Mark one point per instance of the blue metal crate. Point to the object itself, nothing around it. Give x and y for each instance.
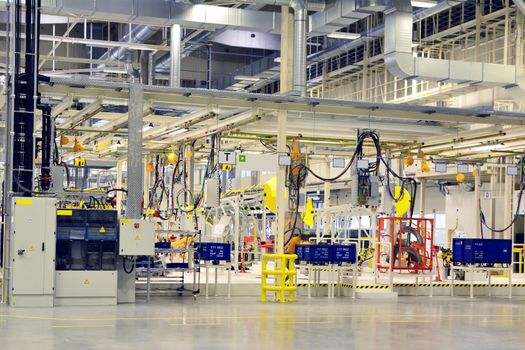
(163, 245)
(320, 253)
(344, 254)
(214, 251)
(300, 252)
(482, 251)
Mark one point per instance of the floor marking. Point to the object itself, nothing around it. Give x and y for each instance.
(502, 321)
(408, 321)
(306, 322)
(85, 326)
(195, 324)
(207, 317)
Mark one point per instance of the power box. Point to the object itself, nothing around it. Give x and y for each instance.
(482, 251)
(32, 273)
(137, 237)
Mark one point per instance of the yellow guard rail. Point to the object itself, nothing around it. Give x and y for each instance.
(282, 284)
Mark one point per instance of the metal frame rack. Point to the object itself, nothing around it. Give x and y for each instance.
(163, 268)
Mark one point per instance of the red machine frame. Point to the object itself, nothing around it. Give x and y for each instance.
(412, 242)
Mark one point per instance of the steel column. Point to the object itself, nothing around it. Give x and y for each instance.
(135, 175)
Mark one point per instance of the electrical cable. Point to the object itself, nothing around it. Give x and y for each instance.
(124, 265)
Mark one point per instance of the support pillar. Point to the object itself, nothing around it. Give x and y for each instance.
(286, 85)
(326, 200)
(477, 198)
(135, 185)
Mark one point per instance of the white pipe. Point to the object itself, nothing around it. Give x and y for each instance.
(175, 51)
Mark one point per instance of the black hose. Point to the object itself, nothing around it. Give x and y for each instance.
(124, 265)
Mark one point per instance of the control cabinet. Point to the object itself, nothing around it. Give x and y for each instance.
(137, 237)
(33, 252)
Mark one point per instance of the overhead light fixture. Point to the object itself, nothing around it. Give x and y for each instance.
(246, 77)
(277, 59)
(147, 127)
(423, 3)
(115, 70)
(488, 147)
(178, 131)
(466, 145)
(343, 35)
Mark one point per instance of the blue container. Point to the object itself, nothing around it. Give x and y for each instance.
(163, 245)
(299, 251)
(344, 254)
(482, 251)
(320, 253)
(214, 251)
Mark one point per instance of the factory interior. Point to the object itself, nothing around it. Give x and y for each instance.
(346, 174)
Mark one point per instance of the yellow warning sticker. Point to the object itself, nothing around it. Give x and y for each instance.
(31, 249)
(64, 212)
(227, 167)
(102, 229)
(24, 202)
(150, 211)
(125, 221)
(137, 238)
(86, 282)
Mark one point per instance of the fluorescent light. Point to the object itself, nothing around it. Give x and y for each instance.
(100, 123)
(115, 70)
(423, 3)
(343, 35)
(178, 131)
(147, 127)
(277, 59)
(466, 145)
(246, 77)
(488, 147)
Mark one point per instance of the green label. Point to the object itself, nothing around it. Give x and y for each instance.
(242, 158)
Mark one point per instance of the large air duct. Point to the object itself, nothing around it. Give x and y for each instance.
(138, 34)
(401, 62)
(299, 45)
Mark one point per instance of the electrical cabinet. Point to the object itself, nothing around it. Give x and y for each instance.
(137, 237)
(33, 252)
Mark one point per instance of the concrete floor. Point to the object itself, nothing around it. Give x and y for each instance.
(244, 323)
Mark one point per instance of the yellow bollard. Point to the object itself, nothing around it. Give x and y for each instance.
(282, 286)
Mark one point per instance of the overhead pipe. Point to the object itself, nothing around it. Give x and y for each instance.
(299, 45)
(175, 52)
(138, 34)
(344, 46)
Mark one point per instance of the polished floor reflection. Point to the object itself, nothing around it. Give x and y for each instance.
(245, 323)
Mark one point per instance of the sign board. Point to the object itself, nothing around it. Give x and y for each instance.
(257, 162)
(338, 163)
(227, 157)
(440, 167)
(487, 195)
(512, 170)
(463, 168)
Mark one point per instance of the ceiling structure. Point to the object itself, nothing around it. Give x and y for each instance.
(93, 50)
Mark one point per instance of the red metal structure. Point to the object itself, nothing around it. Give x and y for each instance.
(411, 249)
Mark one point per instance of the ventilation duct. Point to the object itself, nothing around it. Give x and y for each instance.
(401, 62)
(341, 14)
(138, 34)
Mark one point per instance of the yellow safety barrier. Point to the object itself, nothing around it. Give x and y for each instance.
(283, 284)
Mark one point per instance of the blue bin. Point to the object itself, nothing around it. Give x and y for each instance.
(344, 254)
(214, 251)
(320, 253)
(482, 251)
